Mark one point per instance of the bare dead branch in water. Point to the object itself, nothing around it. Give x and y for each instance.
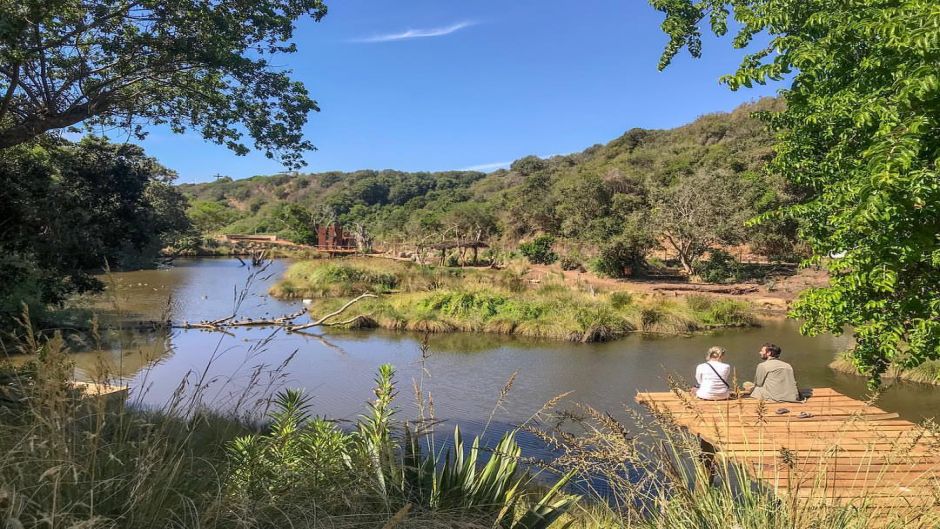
(286, 321)
(280, 321)
(333, 314)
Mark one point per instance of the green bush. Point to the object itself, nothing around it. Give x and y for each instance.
(571, 262)
(299, 459)
(625, 255)
(539, 250)
(721, 267)
(699, 302)
(619, 300)
(729, 312)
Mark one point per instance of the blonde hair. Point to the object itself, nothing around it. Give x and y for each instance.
(714, 353)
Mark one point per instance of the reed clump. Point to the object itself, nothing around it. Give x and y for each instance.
(435, 299)
(925, 373)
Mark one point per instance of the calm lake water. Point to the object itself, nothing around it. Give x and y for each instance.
(464, 373)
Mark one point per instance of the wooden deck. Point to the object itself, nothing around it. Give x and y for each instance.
(847, 452)
(95, 390)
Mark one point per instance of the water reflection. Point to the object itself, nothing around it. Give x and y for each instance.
(464, 372)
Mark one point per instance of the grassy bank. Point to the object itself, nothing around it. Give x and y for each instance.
(71, 462)
(435, 299)
(926, 373)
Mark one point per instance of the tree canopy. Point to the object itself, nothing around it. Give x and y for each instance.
(596, 203)
(70, 209)
(128, 63)
(861, 133)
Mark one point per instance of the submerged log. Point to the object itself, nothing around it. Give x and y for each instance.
(230, 321)
(286, 321)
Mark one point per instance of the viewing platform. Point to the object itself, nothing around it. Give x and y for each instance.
(841, 451)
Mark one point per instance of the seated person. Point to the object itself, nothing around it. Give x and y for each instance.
(774, 379)
(713, 376)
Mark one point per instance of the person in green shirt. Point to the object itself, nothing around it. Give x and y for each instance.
(774, 379)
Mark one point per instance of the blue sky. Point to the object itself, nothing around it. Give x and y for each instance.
(440, 84)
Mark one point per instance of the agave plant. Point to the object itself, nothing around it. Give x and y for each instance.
(304, 459)
(456, 484)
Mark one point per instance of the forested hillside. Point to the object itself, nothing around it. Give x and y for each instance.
(689, 189)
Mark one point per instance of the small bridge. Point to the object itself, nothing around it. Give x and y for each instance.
(830, 449)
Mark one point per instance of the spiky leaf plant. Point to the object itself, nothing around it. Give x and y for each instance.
(296, 453)
(456, 484)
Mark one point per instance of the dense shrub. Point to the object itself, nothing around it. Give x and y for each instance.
(539, 250)
(622, 257)
(721, 267)
(571, 262)
(729, 312)
(619, 300)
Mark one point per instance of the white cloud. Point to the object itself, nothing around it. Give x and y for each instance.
(487, 167)
(418, 33)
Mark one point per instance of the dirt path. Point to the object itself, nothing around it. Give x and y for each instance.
(772, 297)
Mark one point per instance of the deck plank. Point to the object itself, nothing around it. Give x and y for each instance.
(848, 452)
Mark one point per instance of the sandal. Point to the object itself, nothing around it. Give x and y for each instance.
(805, 415)
(782, 411)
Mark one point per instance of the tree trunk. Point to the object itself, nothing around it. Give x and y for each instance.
(686, 263)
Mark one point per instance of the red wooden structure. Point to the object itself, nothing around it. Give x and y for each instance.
(331, 238)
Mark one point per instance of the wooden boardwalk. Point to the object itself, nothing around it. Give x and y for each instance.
(847, 452)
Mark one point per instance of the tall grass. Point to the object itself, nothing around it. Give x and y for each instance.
(67, 461)
(433, 299)
(925, 373)
(70, 461)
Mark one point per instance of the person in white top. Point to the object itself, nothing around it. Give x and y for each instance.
(713, 377)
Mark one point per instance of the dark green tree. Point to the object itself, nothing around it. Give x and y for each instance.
(295, 223)
(129, 63)
(539, 250)
(73, 208)
(209, 216)
(625, 254)
(861, 132)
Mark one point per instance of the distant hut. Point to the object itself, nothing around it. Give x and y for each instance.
(331, 238)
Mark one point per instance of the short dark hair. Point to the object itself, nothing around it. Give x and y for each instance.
(772, 348)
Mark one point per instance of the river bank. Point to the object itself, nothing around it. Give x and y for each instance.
(509, 301)
(335, 363)
(926, 373)
(274, 461)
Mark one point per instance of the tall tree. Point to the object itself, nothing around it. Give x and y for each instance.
(699, 212)
(128, 63)
(861, 131)
(71, 208)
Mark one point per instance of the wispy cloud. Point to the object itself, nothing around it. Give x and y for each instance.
(486, 167)
(418, 33)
